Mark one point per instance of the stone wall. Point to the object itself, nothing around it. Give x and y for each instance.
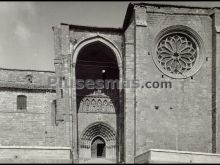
(35, 125)
(19, 77)
(32, 126)
(183, 117)
(24, 154)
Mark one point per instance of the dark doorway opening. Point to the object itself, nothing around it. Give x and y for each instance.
(98, 148)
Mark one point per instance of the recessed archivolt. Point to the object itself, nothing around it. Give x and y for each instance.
(98, 129)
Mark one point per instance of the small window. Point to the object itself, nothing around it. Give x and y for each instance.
(21, 102)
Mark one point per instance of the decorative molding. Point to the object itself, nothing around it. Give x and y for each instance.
(96, 102)
(98, 129)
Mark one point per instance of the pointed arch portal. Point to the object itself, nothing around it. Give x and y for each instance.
(97, 58)
(98, 141)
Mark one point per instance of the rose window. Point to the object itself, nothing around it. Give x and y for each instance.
(177, 53)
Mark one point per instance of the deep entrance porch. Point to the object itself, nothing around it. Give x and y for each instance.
(98, 61)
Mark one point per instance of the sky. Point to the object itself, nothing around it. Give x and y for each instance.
(26, 36)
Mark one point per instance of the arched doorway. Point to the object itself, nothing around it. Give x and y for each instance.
(98, 148)
(98, 141)
(98, 59)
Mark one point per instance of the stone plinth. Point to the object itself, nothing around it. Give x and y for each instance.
(172, 156)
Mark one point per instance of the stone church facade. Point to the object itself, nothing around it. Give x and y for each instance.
(44, 117)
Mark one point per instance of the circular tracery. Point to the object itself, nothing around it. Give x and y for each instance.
(178, 52)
